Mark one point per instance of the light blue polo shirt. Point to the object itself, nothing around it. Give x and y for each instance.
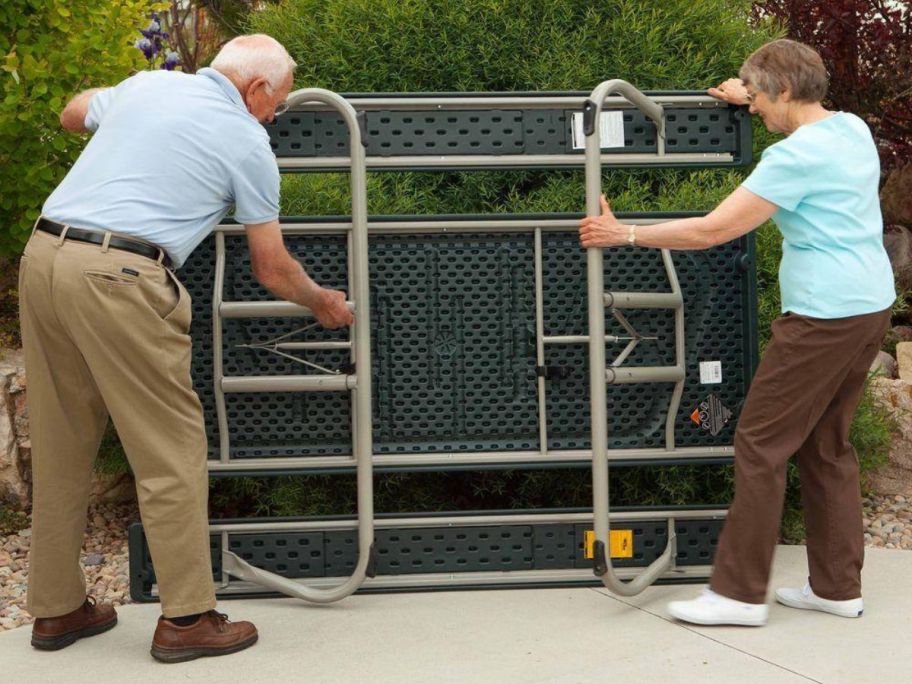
(824, 178)
(171, 154)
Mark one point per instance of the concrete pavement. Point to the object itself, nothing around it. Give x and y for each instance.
(535, 635)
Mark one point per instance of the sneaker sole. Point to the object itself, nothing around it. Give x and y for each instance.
(803, 605)
(55, 643)
(182, 655)
(710, 623)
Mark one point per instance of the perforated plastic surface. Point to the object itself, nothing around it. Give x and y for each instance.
(514, 131)
(453, 345)
(437, 549)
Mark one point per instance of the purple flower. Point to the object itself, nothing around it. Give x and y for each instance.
(154, 41)
(172, 59)
(145, 45)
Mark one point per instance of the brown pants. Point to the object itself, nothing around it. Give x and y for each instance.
(802, 400)
(102, 340)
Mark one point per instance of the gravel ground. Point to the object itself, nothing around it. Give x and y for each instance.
(104, 558)
(887, 521)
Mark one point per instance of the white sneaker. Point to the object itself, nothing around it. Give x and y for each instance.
(714, 609)
(806, 599)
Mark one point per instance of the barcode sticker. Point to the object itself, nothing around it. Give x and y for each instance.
(710, 372)
(611, 130)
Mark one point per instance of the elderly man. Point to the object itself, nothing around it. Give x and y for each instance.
(105, 323)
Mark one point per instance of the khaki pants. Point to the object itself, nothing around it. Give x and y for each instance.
(802, 400)
(102, 340)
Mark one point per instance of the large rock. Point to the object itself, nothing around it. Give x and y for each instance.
(904, 360)
(897, 334)
(896, 196)
(898, 243)
(16, 447)
(884, 364)
(895, 477)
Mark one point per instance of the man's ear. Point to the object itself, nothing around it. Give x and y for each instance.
(259, 84)
(786, 95)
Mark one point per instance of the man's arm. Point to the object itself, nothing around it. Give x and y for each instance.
(281, 274)
(73, 116)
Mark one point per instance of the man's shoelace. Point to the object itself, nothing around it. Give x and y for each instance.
(220, 619)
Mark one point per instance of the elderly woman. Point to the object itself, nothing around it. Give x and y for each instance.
(819, 185)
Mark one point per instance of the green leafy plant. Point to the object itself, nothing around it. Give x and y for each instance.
(12, 521)
(111, 458)
(49, 51)
(9, 303)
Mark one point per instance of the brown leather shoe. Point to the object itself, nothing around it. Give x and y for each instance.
(51, 634)
(212, 635)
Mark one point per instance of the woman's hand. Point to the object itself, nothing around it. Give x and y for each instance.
(731, 91)
(604, 230)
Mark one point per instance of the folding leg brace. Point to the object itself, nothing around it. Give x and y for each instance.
(599, 374)
(358, 382)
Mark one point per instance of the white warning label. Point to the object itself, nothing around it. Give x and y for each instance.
(710, 372)
(611, 130)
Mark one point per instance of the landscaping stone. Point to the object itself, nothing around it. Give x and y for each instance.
(16, 446)
(895, 476)
(107, 571)
(904, 360)
(884, 364)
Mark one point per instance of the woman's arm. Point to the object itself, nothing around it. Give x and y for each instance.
(732, 91)
(739, 213)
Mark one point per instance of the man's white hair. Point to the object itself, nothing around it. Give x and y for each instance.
(255, 56)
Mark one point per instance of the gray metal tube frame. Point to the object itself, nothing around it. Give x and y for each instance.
(362, 439)
(277, 309)
(483, 459)
(679, 350)
(447, 161)
(643, 300)
(290, 383)
(453, 225)
(597, 368)
(450, 579)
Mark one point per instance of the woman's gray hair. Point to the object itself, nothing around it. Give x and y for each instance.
(786, 65)
(255, 56)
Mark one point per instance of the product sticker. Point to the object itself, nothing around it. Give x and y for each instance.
(711, 415)
(611, 130)
(710, 372)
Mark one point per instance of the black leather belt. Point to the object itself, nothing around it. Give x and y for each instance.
(97, 238)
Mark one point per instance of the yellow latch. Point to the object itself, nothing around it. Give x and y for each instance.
(620, 544)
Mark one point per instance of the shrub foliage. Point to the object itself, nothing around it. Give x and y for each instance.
(49, 51)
